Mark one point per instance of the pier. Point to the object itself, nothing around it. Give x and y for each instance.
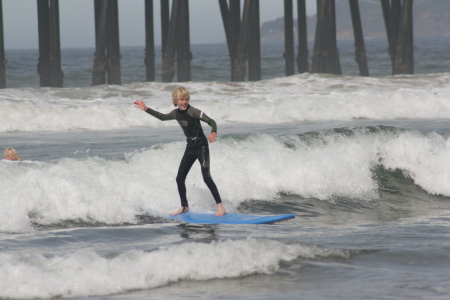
(241, 25)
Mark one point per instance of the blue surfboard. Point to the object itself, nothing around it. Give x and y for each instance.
(229, 218)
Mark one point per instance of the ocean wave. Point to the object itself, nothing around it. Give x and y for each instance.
(87, 273)
(307, 97)
(325, 165)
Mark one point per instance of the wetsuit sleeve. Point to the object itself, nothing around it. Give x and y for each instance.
(213, 125)
(209, 121)
(160, 116)
(195, 113)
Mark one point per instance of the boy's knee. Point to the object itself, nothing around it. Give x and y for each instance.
(180, 179)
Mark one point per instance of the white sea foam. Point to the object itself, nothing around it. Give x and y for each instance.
(283, 100)
(425, 159)
(253, 167)
(25, 275)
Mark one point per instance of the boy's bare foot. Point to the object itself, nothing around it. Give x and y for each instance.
(180, 211)
(221, 210)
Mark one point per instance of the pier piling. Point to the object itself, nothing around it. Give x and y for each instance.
(177, 42)
(249, 43)
(360, 49)
(289, 38)
(396, 7)
(302, 55)
(49, 65)
(149, 59)
(399, 30)
(99, 65)
(240, 62)
(231, 18)
(165, 22)
(106, 66)
(168, 63)
(113, 46)
(235, 29)
(254, 51)
(184, 55)
(404, 57)
(325, 57)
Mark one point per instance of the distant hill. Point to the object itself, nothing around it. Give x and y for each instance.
(430, 18)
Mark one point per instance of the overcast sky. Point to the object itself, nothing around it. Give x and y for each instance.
(77, 21)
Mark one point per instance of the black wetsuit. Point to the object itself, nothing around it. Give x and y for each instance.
(196, 148)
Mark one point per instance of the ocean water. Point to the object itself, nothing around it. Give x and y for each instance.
(363, 163)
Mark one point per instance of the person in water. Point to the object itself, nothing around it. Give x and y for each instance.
(197, 144)
(11, 154)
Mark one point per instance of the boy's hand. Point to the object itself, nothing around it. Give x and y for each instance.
(212, 137)
(140, 104)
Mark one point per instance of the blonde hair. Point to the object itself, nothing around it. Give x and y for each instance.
(13, 152)
(178, 93)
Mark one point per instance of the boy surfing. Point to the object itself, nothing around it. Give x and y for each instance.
(197, 144)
